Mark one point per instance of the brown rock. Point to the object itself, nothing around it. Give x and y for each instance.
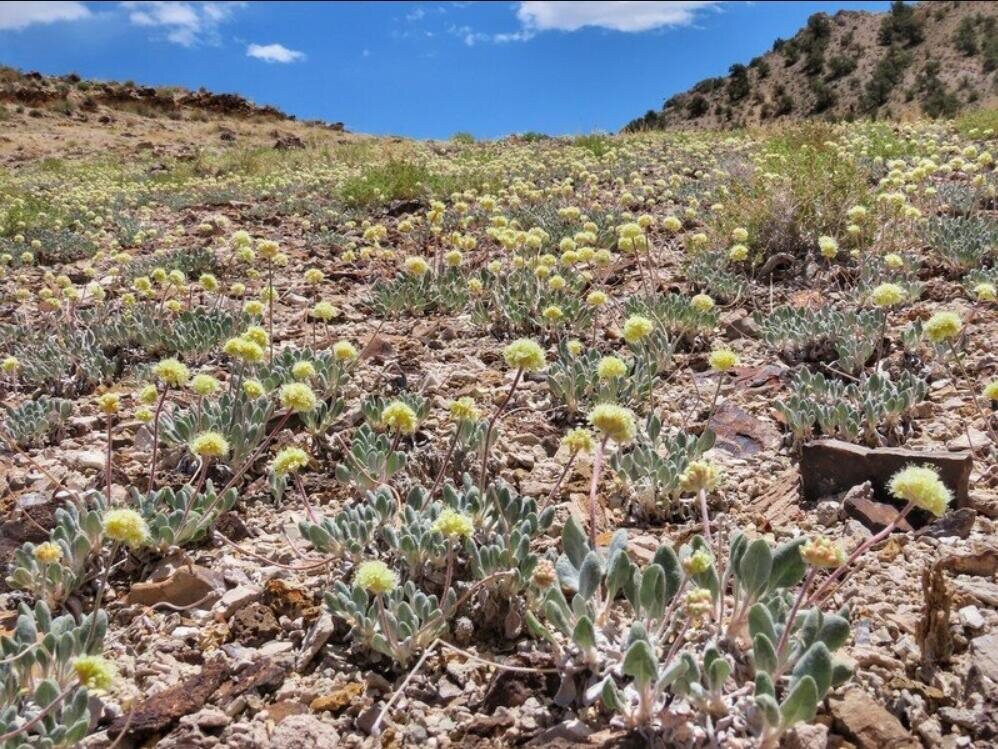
(869, 725)
(983, 563)
(957, 523)
(339, 700)
(264, 675)
(739, 433)
(163, 709)
(254, 625)
(985, 651)
(185, 587)
(874, 515)
(831, 466)
(285, 709)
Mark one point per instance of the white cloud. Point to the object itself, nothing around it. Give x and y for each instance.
(19, 15)
(618, 16)
(415, 14)
(184, 23)
(274, 53)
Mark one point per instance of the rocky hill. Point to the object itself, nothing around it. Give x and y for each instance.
(66, 117)
(930, 58)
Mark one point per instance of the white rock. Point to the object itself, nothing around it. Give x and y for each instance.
(970, 616)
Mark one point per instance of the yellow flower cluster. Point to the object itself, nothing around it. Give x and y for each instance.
(700, 474)
(636, 328)
(289, 460)
(578, 440)
(297, 397)
(94, 672)
(821, 551)
(171, 372)
(697, 563)
(210, 445)
(399, 418)
(453, 524)
(614, 421)
(524, 354)
(375, 577)
(888, 295)
(464, 409)
(943, 326)
(611, 368)
(125, 526)
(921, 486)
(723, 359)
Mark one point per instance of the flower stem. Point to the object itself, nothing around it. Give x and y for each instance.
(491, 426)
(597, 466)
(155, 439)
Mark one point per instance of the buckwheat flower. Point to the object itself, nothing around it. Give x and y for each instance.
(125, 526)
(723, 359)
(544, 575)
(828, 247)
(416, 266)
(208, 282)
(552, 313)
(597, 299)
(856, 213)
(574, 347)
(475, 286)
(524, 354)
(699, 475)
(614, 421)
(739, 235)
(254, 308)
(289, 460)
(48, 553)
(313, 276)
(610, 368)
(303, 370)
(267, 248)
(672, 224)
(893, 261)
(991, 390)
(738, 253)
(174, 306)
(698, 603)
(556, 283)
(921, 486)
(453, 258)
(494, 267)
(209, 445)
(94, 672)
(109, 403)
(579, 440)
(375, 577)
(237, 289)
(888, 295)
(171, 372)
(344, 351)
(636, 328)
(702, 303)
(985, 292)
(821, 551)
(399, 418)
(177, 277)
(205, 385)
(697, 563)
(297, 397)
(10, 364)
(453, 524)
(942, 326)
(324, 311)
(464, 410)
(144, 415)
(257, 335)
(253, 388)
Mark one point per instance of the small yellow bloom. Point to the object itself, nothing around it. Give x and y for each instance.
(171, 372)
(125, 526)
(416, 266)
(297, 397)
(699, 603)
(210, 445)
(985, 292)
(205, 385)
(324, 311)
(524, 354)
(921, 486)
(611, 368)
(702, 303)
(453, 524)
(699, 475)
(597, 299)
(697, 563)
(614, 421)
(303, 370)
(579, 440)
(888, 295)
(344, 351)
(991, 390)
(48, 553)
(94, 672)
(738, 253)
(109, 403)
(399, 417)
(375, 577)
(822, 552)
(289, 460)
(723, 359)
(942, 326)
(253, 388)
(10, 365)
(828, 247)
(636, 328)
(464, 409)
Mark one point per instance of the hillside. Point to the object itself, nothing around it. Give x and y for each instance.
(68, 117)
(932, 59)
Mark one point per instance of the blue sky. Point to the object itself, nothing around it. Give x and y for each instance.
(418, 69)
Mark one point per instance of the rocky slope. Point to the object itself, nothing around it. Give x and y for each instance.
(929, 59)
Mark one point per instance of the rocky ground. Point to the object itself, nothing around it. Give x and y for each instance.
(228, 643)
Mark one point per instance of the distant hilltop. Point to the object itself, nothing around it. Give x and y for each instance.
(926, 59)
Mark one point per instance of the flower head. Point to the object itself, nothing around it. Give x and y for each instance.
(611, 368)
(738, 253)
(700, 475)
(94, 671)
(210, 445)
(985, 292)
(171, 372)
(888, 295)
(697, 563)
(702, 303)
(524, 354)
(698, 603)
(344, 351)
(544, 575)
(289, 460)
(375, 577)
(597, 298)
(9, 365)
(303, 370)
(579, 440)
(636, 328)
(464, 409)
(991, 390)
(453, 524)
(253, 388)
(614, 421)
(399, 418)
(821, 551)
(416, 266)
(942, 326)
(256, 334)
(109, 403)
(126, 526)
(48, 553)
(921, 486)
(828, 247)
(324, 311)
(297, 397)
(723, 359)
(205, 384)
